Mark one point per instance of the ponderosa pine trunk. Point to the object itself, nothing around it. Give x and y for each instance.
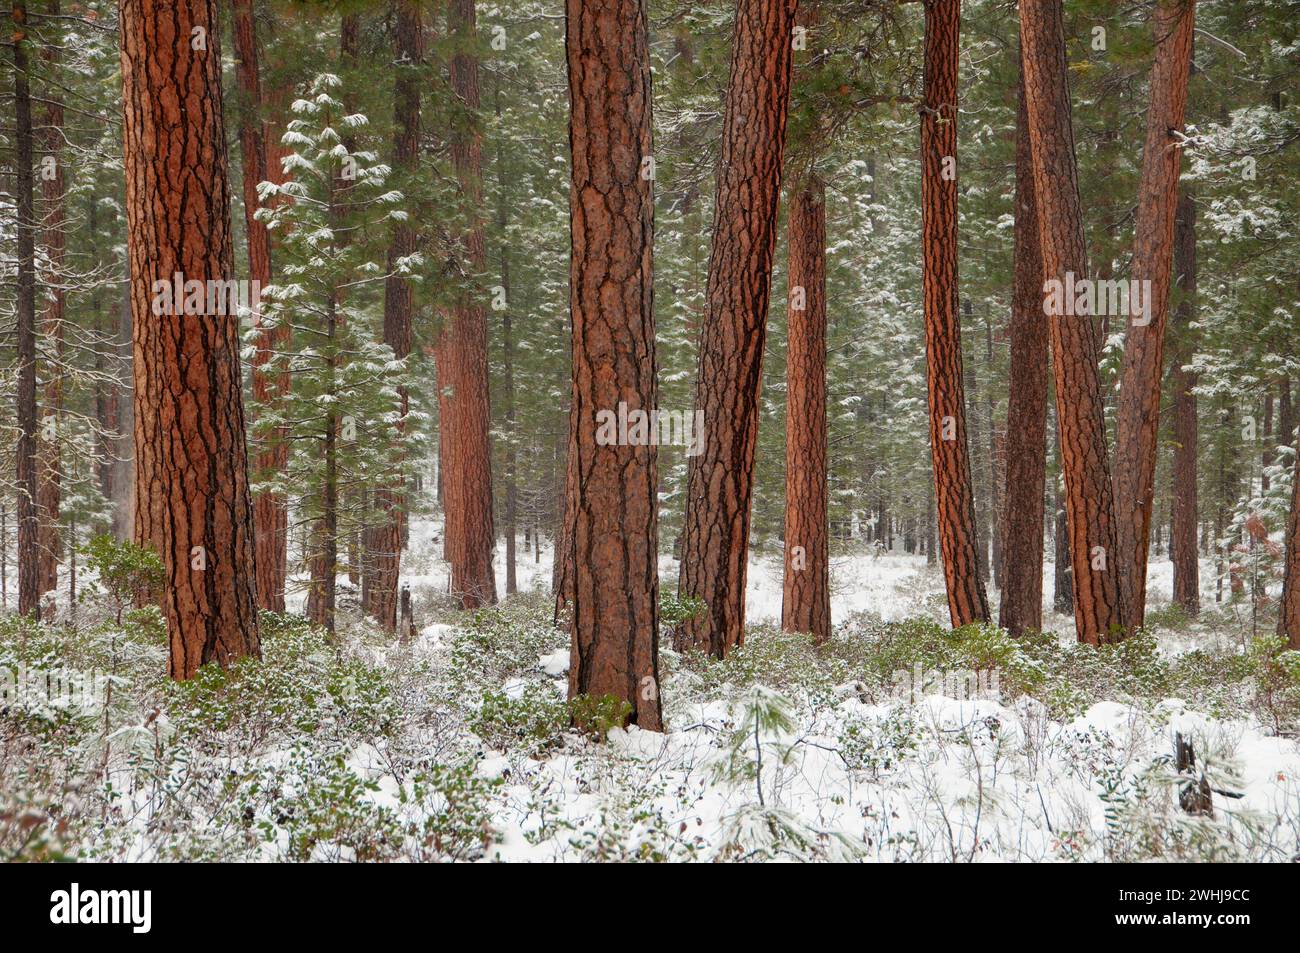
(613, 528)
(1137, 423)
(467, 486)
(806, 597)
(192, 499)
(270, 511)
(1184, 517)
(1021, 611)
(715, 535)
(1288, 623)
(953, 491)
(1089, 504)
(54, 219)
(29, 593)
(399, 299)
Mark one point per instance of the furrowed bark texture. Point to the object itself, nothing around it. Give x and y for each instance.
(1137, 422)
(1021, 611)
(954, 495)
(613, 527)
(399, 300)
(467, 486)
(1288, 625)
(715, 538)
(1089, 504)
(192, 498)
(270, 513)
(806, 599)
(1182, 533)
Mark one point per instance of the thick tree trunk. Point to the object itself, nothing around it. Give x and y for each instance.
(468, 459)
(54, 238)
(270, 512)
(1182, 532)
(613, 527)
(1089, 503)
(1138, 418)
(29, 593)
(806, 600)
(954, 495)
(399, 301)
(1288, 624)
(1021, 611)
(715, 537)
(192, 498)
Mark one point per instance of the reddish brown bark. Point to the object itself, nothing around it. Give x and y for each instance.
(54, 238)
(715, 537)
(1089, 503)
(806, 598)
(1183, 518)
(1138, 415)
(613, 529)
(1288, 623)
(954, 496)
(270, 512)
(192, 498)
(399, 301)
(1021, 611)
(467, 481)
(29, 593)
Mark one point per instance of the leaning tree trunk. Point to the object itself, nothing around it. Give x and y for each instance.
(1021, 611)
(1137, 423)
(270, 511)
(467, 486)
(53, 226)
(29, 593)
(191, 488)
(1182, 533)
(1089, 503)
(806, 599)
(613, 527)
(953, 492)
(715, 536)
(399, 301)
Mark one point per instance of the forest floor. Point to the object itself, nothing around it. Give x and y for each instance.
(899, 740)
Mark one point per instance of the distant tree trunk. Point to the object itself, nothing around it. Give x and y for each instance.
(467, 483)
(192, 497)
(54, 225)
(1089, 503)
(270, 512)
(29, 593)
(806, 599)
(996, 464)
(1021, 611)
(1137, 424)
(508, 373)
(613, 527)
(399, 300)
(954, 495)
(715, 536)
(1182, 532)
(1285, 412)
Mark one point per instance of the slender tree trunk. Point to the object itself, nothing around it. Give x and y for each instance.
(954, 495)
(270, 512)
(508, 371)
(806, 600)
(613, 527)
(1021, 610)
(54, 234)
(1285, 412)
(1138, 418)
(29, 593)
(1089, 503)
(715, 538)
(1182, 532)
(192, 498)
(468, 459)
(399, 302)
